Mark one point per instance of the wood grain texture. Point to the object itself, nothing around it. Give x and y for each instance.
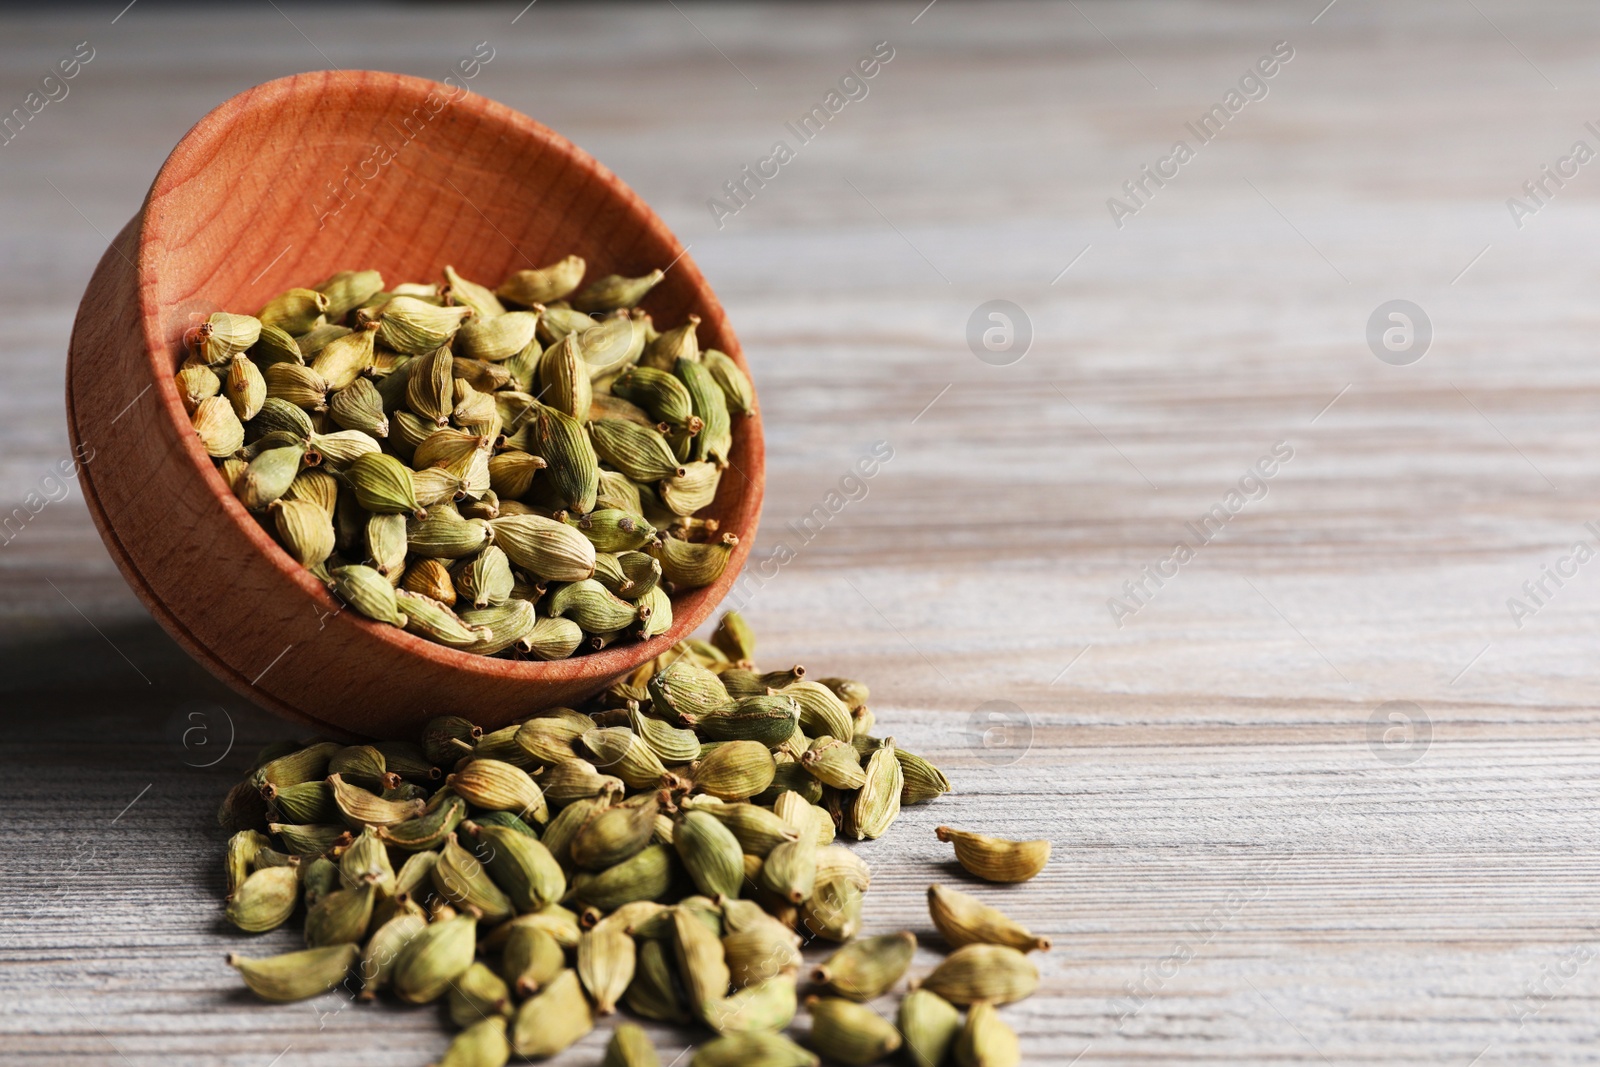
(1239, 878)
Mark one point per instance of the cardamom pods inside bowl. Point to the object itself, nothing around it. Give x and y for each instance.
(402, 404)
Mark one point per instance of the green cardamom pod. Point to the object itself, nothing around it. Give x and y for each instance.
(296, 975)
(544, 285)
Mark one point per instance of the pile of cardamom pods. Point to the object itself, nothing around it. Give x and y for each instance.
(520, 482)
(667, 849)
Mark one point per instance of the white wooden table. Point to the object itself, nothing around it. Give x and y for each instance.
(1254, 862)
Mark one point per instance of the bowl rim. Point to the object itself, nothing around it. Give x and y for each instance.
(188, 156)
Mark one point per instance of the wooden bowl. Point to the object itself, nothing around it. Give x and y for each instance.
(282, 186)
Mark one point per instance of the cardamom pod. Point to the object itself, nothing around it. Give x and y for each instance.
(296, 975)
(996, 859)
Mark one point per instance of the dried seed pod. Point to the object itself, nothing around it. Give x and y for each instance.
(735, 638)
(614, 291)
(461, 879)
(348, 290)
(550, 549)
(310, 839)
(734, 770)
(564, 378)
(710, 853)
(294, 384)
(369, 593)
(833, 911)
(822, 714)
(764, 1006)
(382, 484)
(304, 530)
(848, 1033)
(613, 834)
(411, 325)
(750, 1049)
(246, 388)
(483, 1044)
(544, 285)
(553, 639)
(383, 948)
(315, 486)
(357, 406)
(965, 920)
(614, 530)
(973, 973)
(877, 804)
(656, 991)
(630, 1047)
(757, 829)
(342, 360)
(672, 745)
(217, 426)
(511, 623)
(834, 763)
(675, 344)
(605, 963)
(867, 969)
(660, 393)
(553, 1019)
(684, 689)
(500, 786)
(477, 994)
(430, 387)
(531, 957)
(576, 779)
(574, 471)
(362, 808)
(366, 862)
(428, 831)
(986, 1041)
(434, 958)
(996, 859)
(340, 917)
(734, 383)
(923, 781)
(637, 451)
(276, 345)
(265, 899)
(692, 564)
(644, 876)
(197, 382)
(701, 962)
(929, 1024)
(498, 338)
(511, 473)
(591, 606)
(654, 609)
(790, 870)
(296, 975)
(761, 951)
(295, 311)
(443, 534)
(715, 438)
(623, 752)
(429, 578)
(616, 490)
(431, 619)
(479, 298)
(558, 319)
(520, 865)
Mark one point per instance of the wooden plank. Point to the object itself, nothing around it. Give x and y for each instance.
(1240, 874)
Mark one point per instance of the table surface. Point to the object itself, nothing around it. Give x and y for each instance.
(1320, 785)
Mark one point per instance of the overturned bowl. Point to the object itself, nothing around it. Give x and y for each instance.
(282, 186)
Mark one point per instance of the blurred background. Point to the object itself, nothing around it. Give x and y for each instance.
(1226, 485)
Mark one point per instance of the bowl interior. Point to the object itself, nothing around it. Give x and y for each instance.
(303, 177)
